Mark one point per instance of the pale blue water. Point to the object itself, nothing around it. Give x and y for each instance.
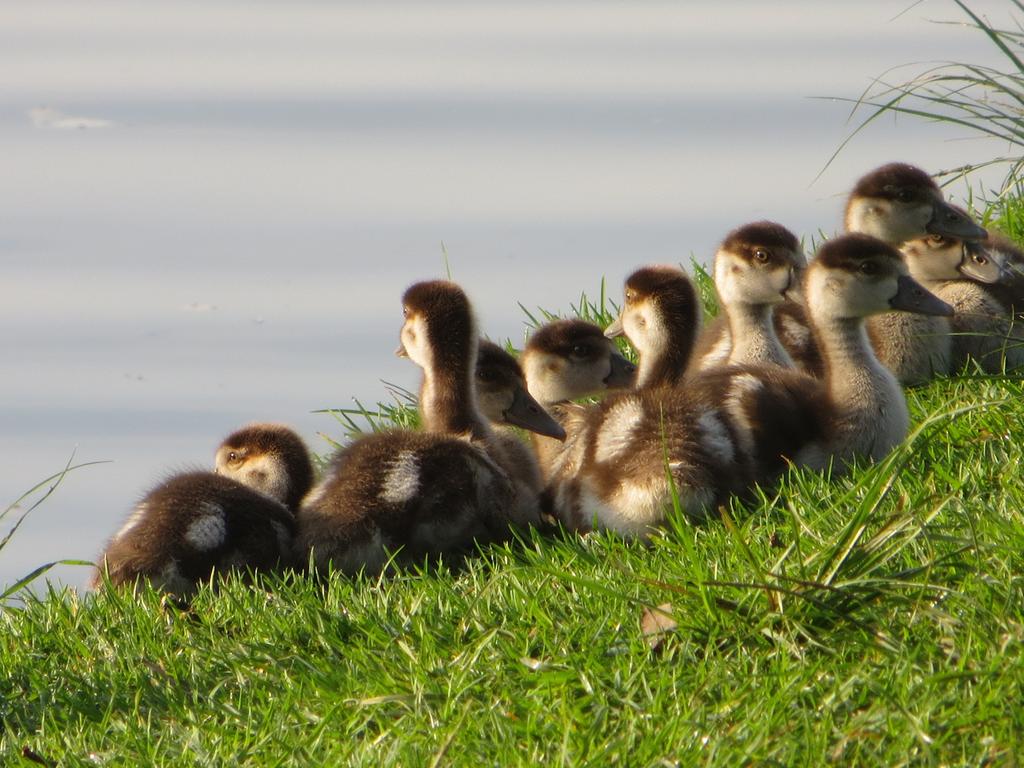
(234, 245)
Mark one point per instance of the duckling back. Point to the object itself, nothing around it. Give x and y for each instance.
(413, 495)
(193, 526)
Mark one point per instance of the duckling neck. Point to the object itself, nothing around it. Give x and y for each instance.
(754, 340)
(448, 405)
(870, 409)
(664, 367)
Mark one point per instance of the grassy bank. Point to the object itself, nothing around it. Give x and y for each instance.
(877, 619)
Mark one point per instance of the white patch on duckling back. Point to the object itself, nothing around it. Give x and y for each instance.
(209, 529)
(133, 520)
(402, 479)
(742, 386)
(715, 437)
(615, 436)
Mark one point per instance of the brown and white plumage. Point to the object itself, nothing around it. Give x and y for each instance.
(917, 347)
(566, 360)
(417, 495)
(195, 525)
(630, 457)
(859, 404)
(754, 268)
(660, 316)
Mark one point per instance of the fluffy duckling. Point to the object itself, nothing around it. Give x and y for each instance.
(198, 524)
(628, 457)
(755, 268)
(505, 401)
(660, 316)
(417, 495)
(916, 347)
(987, 326)
(899, 202)
(859, 405)
(894, 203)
(565, 360)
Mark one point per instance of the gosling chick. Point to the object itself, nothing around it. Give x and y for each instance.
(417, 496)
(197, 525)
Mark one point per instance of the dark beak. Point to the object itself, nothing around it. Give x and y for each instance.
(623, 373)
(526, 412)
(912, 297)
(951, 222)
(979, 265)
(615, 329)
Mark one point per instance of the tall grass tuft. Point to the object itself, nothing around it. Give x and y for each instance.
(986, 100)
(7, 592)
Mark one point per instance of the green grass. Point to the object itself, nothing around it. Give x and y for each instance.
(982, 100)
(877, 619)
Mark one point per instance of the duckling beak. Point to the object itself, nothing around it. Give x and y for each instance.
(400, 352)
(949, 222)
(527, 413)
(615, 329)
(911, 296)
(622, 374)
(979, 265)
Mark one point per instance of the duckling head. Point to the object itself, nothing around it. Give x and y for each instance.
(502, 395)
(936, 258)
(900, 202)
(855, 276)
(660, 311)
(439, 330)
(568, 359)
(269, 458)
(757, 264)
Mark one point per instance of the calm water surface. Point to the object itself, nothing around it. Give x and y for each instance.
(229, 240)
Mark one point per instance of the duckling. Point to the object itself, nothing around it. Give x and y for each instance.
(859, 406)
(197, 524)
(987, 326)
(894, 203)
(755, 268)
(899, 202)
(417, 495)
(660, 316)
(629, 456)
(565, 360)
(1008, 256)
(505, 401)
(916, 347)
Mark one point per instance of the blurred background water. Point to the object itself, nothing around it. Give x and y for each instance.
(209, 210)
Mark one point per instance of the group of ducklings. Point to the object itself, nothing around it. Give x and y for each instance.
(803, 366)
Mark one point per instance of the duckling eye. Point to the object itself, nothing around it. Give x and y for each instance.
(868, 268)
(938, 239)
(232, 456)
(978, 259)
(904, 195)
(580, 351)
(762, 255)
(630, 295)
(485, 375)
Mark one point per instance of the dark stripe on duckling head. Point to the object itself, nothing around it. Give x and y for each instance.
(781, 244)
(569, 337)
(897, 181)
(448, 317)
(281, 441)
(851, 252)
(673, 296)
